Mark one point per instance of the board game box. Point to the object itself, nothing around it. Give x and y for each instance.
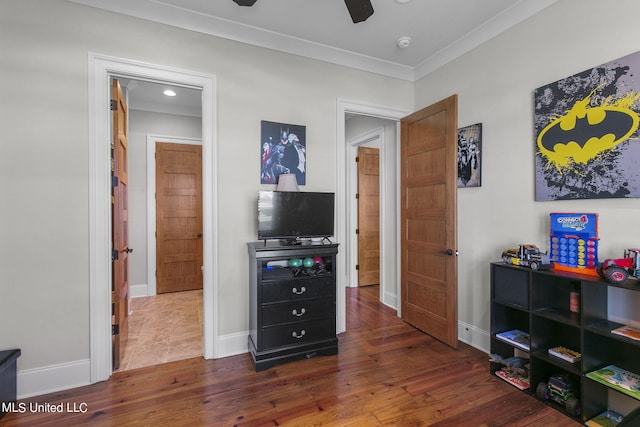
(573, 241)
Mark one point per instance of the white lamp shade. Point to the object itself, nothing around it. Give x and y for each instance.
(287, 182)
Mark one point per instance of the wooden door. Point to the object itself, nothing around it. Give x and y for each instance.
(178, 217)
(368, 216)
(428, 220)
(120, 223)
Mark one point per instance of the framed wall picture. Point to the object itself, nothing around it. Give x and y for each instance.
(283, 149)
(586, 129)
(469, 155)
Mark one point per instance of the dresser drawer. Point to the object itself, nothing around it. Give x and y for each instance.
(297, 289)
(298, 333)
(297, 311)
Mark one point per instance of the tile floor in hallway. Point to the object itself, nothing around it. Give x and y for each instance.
(163, 328)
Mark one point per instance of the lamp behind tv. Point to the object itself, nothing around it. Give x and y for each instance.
(292, 216)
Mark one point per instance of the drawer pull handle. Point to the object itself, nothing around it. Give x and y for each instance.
(299, 292)
(298, 335)
(296, 313)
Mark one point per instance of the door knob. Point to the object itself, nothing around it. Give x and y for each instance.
(128, 250)
(447, 252)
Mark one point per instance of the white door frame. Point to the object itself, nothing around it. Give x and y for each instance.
(386, 244)
(101, 69)
(152, 139)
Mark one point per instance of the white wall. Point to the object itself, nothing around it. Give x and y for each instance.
(142, 123)
(44, 265)
(44, 164)
(495, 84)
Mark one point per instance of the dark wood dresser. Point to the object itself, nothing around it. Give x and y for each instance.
(292, 311)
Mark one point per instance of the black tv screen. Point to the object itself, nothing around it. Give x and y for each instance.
(292, 215)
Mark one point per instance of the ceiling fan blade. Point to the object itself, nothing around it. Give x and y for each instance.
(245, 2)
(359, 10)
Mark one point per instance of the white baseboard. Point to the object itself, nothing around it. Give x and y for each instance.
(138, 291)
(65, 376)
(53, 378)
(473, 336)
(390, 300)
(233, 344)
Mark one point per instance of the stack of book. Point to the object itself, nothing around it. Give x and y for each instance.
(606, 419)
(628, 331)
(618, 379)
(513, 378)
(565, 353)
(515, 337)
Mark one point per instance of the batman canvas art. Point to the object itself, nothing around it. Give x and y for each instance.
(586, 128)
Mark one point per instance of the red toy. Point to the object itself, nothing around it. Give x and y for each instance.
(619, 269)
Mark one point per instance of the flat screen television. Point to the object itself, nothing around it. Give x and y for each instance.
(291, 215)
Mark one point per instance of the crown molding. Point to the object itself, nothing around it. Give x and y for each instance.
(169, 14)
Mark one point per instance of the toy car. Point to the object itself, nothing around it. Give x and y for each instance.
(618, 270)
(561, 389)
(527, 256)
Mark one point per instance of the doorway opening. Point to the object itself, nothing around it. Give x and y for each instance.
(379, 133)
(364, 203)
(101, 70)
(165, 324)
(389, 200)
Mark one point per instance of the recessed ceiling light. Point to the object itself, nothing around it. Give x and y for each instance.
(169, 92)
(402, 1)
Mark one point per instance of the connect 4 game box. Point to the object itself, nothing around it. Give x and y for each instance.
(574, 242)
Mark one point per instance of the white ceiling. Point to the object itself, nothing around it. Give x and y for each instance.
(440, 30)
(149, 96)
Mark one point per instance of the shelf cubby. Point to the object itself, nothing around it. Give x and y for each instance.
(540, 302)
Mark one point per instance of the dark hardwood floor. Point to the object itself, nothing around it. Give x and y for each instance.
(386, 373)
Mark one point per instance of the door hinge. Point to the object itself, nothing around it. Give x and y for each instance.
(357, 266)
(113, 105)
(115, 329)
(114, 254)
(357, 195)
(357, 159)
(114, 181)
(357, 231)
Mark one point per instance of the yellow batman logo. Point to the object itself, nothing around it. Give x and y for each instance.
(583, 133)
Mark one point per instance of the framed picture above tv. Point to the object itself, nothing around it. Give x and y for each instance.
(283, 150)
